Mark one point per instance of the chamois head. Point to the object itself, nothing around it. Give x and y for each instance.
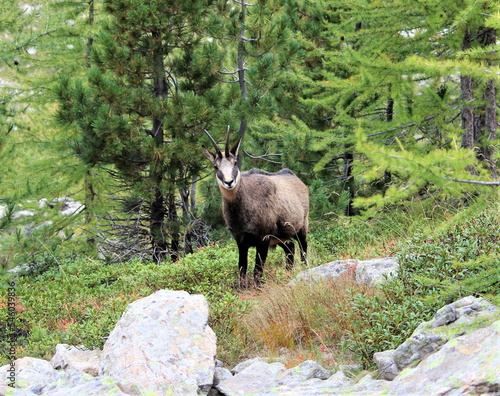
(225, 163)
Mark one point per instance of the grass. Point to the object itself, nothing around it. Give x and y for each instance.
(308, 318)
(445, 258)
(67, 298)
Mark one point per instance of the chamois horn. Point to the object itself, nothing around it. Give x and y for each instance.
(227, 141)
(214, 143)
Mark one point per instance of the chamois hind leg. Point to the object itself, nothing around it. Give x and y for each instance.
(289, 248)
(260, 259)
(302, 240)
(242, 265)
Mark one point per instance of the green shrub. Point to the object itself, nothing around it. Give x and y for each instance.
(455, 261)
(79, 301)
(436, 268)
(382, 321)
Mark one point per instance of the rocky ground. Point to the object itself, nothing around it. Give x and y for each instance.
(163, 345)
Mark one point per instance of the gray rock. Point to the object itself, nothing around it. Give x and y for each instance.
(78, 358)
(22, 213)
(37, 376)
(386, 365)
(243, 365)
(221, 374)
(99, 386)
(218, 363)
(350, 369)
(257, 378)
(368, 386)
(337, 384)
(339, 379)
(19, 269)
(31, 374)
(464, 311)
(453, 320)
(43, 203)
(303, 372)
(163, 343)
(465, 365)
(71, 208)
(416, 348)
(376, 271)
(332, 270)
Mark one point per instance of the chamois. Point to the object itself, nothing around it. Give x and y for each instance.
(261, 209)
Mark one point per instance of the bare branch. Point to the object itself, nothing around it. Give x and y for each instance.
(399, 127)
(243, 3)
(264, 157)
(232, 73)
(480, 182)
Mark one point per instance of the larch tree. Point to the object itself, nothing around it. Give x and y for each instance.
(41, 40)
(142, 108)
(402, 85)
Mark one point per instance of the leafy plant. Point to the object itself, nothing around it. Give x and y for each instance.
(79, 300)
(455, 261)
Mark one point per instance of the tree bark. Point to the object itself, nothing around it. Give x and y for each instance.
(90, 193)
(349, 182)
(490, 126)
(480, 127)
(158, 208)
(489, 122)
(241, 66)
(467, 97)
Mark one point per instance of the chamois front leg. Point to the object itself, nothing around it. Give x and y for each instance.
(260, 258)
(242, 265)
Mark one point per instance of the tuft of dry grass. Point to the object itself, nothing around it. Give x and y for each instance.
(304, 317)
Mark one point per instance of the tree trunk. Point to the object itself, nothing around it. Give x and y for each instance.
(89, 186)
(349, 182)
(480, 128)
(241, 68)
(490, 126)
(89, 196)
(158, 238)
(389, 116)
(173, 222)
(90, 40)
(467, 98)
(158, 209)
(488, 132)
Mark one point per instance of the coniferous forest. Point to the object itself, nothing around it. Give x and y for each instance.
(387, 111)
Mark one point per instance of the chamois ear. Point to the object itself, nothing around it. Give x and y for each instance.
(236, 147)
(208, 154)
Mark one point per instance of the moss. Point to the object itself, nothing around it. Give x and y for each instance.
(435, 361)
(455, 329)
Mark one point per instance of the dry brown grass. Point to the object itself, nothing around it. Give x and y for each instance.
(305, 317)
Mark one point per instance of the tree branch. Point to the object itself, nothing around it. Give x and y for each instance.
(480, 182)
(264, 157)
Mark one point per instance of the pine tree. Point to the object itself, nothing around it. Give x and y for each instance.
(150, 92)
(261, 55)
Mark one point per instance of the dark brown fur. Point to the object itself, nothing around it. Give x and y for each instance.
(261, 209)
